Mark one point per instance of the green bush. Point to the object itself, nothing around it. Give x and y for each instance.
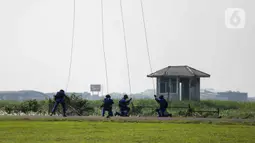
(78, 106)
(81, 106)
(75, 106)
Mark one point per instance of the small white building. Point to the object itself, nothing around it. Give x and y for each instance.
(178, 82)
(233, 96)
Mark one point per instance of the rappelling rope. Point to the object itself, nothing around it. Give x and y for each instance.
(103, 46)
(147, 45)
(72, 47)
(71, 55)
(125, 41)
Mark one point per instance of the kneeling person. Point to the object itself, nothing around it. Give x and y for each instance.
(123, 105)
(162, 106)
(107, 105)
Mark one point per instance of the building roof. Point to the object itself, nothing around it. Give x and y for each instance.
(180, 71)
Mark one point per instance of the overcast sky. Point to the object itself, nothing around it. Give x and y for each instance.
(36, 40)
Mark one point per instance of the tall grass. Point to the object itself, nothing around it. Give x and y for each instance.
(146, 107)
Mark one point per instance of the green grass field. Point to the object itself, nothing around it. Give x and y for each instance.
(117, 132)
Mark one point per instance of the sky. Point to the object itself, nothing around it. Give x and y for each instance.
(36, 38)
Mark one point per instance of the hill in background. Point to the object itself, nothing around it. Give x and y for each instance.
(147, 94)
(22, 95)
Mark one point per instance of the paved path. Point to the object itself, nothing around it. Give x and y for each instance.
(134, 118)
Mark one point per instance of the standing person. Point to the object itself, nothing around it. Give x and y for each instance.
(107, 105)
(162, 105)
(123, 105)
(59, 99)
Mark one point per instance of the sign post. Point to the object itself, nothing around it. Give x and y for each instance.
(95, 88)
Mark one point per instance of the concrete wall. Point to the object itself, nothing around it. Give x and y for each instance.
(175, 97)
(157, 86)
(185, 89)
(194, 89)
(198, 89)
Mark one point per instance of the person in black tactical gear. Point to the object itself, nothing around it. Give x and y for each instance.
(162, 106)
(123, 105)
(59, 99)
(107, 106)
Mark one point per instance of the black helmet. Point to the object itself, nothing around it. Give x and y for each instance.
(161, 97)
(61, 90)
(108, 96)
(125, 96)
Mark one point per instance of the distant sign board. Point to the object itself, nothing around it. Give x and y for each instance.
(95, 87)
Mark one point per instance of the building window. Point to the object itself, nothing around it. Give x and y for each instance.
(164, 88)
(173, 85)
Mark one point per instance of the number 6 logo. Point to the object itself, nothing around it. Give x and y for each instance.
(234, 18)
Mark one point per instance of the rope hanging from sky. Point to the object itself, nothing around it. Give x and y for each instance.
(103, 46)
(125, 41)
(72, 47)
(147, 45)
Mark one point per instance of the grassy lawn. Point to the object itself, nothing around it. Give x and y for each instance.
(114, 132)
